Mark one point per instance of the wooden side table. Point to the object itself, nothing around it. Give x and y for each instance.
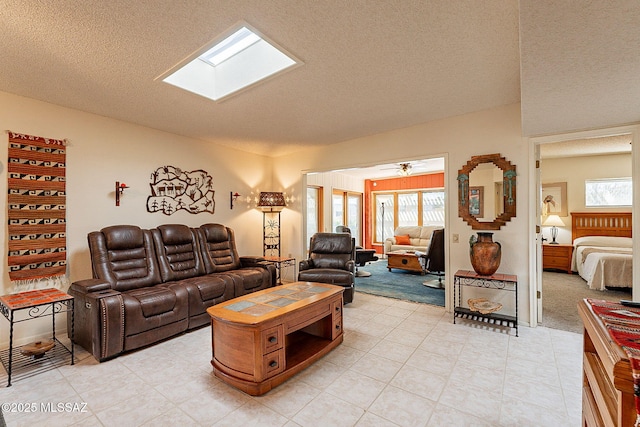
(280, 263)
(557, 257)
(38, 303)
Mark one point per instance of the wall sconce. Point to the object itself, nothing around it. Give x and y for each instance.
(233, 197)
(119, 191)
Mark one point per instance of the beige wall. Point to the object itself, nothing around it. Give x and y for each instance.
(457, 138)
(103, 151)
(574, 171)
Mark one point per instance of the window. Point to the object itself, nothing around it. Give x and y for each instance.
(337, 210)
(608, 192)
(408, 209)
(384, 215)
(314, 210)
(433, 207)
(347, 210)
(354, 216)
(420, 207)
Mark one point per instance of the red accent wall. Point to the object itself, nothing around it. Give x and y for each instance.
(434, 180)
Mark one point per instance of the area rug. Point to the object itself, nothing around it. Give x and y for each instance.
(399, 284)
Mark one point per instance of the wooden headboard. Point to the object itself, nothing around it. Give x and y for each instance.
(600, 224)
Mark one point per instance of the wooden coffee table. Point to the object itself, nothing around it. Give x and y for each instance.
(261, 339)
(404, 260)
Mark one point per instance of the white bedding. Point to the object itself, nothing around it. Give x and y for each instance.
(609, 268)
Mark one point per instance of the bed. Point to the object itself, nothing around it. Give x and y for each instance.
(602, 249)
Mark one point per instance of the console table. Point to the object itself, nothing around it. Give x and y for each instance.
(260, 340)
(502, 282)
(38, 303)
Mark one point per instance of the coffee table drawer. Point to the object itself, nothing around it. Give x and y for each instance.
(273, 363)
(272, 339)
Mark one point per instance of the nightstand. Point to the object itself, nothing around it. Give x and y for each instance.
(557, 257)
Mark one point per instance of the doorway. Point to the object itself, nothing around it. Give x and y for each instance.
(572, 160)
(370, 181)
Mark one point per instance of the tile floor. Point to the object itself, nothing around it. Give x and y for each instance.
(401, 364)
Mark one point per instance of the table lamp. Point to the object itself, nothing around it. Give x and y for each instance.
(554, 221)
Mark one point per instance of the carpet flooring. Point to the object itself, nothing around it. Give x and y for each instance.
(561, 293)
(399, 284)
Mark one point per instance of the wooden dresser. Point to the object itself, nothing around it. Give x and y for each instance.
(607, 393)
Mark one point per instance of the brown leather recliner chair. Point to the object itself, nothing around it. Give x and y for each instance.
(363, 256)
(331, 260)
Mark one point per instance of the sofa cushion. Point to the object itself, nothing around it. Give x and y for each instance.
(327, 275)
(124, 256)
(153, 307)
(178, 252)
(403, 240)
(123, 237)
(155, 300)
(218, 247)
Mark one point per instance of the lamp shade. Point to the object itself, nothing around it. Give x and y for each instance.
(271, 200)
(553, 221)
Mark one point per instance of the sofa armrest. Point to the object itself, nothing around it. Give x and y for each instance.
(388, 242)
(351, 266)
(89, 285)
(249, 261)
(259, 261)
(99, 318)
(305, 264)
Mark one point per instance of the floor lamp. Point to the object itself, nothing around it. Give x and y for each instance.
(383, 254)
(271, 203)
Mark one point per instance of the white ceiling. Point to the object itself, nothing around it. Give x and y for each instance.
(587, 147)
(392, 170)
(369, 67)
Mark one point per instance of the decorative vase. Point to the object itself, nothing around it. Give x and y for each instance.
(485, 254)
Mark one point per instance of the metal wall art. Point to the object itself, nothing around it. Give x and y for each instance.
(173, 189)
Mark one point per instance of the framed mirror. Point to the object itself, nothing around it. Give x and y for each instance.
(487, 192)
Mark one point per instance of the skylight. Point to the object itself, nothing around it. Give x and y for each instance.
(232, 45)
(240, 60)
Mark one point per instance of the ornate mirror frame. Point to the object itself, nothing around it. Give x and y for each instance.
(509, 192)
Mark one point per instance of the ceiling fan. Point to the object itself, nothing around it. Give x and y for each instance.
(403, 169)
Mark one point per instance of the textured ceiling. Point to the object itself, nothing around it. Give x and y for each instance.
(369, 66)
(587, 147)
(580, 64)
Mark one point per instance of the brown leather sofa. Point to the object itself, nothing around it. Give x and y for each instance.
(150, 285)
